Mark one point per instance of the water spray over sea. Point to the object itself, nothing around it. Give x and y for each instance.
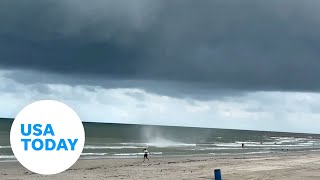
(128, 141)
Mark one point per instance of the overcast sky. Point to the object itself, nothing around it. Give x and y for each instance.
(226, 64)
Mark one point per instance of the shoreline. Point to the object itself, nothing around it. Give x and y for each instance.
(156, 156)
(283, 165)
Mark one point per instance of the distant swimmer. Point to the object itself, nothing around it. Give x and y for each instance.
(145, 155)
(242, 145)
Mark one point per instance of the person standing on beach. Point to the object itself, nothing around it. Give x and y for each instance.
(145, 155)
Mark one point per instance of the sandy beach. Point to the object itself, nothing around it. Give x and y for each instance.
(291, 165)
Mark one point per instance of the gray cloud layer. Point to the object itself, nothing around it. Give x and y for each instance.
(276, 111)
(252, 45)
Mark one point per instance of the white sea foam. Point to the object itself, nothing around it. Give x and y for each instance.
(111, 147)
(156, 153)
(213, 148)
(136, 154)
(315, 150)
(129, 154)
(93, 154)
(263, 145)
(169, 144)
(5, 147)
(160, 143)
(227, 144)
(7, 157)
(163, 143)
(259, 152)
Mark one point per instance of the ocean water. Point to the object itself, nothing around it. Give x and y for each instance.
(105, 140)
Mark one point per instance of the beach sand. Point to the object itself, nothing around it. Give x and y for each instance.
(282, 166)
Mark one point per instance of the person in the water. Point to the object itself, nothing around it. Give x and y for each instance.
(145, 155)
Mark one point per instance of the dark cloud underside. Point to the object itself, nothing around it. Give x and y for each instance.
(243, 45)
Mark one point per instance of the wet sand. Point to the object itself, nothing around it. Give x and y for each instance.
(281, 166)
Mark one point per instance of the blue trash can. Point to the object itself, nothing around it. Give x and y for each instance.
(217, 174)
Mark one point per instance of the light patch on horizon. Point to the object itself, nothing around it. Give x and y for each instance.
(260, 110)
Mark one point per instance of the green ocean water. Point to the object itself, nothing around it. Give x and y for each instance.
(105, 140)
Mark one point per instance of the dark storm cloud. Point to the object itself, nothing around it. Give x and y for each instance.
(253, 45)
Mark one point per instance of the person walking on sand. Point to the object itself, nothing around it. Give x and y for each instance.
(145, 155)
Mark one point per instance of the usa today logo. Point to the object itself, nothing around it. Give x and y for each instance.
(47, 137)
